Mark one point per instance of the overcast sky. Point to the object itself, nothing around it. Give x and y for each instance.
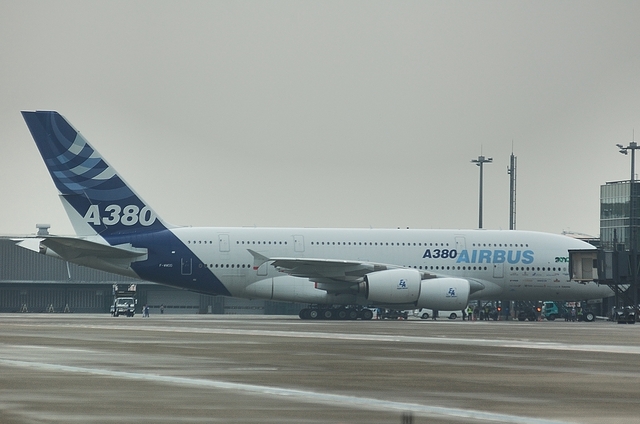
(328, 113)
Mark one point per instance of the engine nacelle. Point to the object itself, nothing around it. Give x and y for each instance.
(444, 294)
(392, 286)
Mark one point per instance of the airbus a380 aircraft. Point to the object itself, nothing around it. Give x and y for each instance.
(335, 271)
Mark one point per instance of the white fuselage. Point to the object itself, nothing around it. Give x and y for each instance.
(511, 265)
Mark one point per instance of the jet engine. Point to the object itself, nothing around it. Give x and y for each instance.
(445, 294)
(406, 287)
(392, 286)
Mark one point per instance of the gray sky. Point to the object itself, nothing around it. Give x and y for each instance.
(327, 114)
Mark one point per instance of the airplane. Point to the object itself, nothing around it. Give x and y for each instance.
(339, 273)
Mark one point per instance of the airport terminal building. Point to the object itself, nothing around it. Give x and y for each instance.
(614, 214)
(31, 282)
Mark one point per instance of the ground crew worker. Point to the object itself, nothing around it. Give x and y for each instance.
(470, 312)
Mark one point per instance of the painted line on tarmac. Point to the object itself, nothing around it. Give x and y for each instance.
(442, 340)
(291, 394)
(456, 341)
(445, 340)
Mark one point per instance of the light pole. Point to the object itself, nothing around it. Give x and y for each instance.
(480, 162)
(633, 146)
(511, 170)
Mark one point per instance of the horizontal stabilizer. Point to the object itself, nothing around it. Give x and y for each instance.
(70, 248)
(86, 252)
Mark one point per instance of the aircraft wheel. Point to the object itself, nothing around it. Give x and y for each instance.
(304, 313)
(327, 314)
(366, 315)
(353, 314)
(342, 314)
(314, 314)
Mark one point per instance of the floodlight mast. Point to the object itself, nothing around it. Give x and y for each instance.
(480, 162)
(512, 171)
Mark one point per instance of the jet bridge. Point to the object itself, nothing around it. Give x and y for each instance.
(583, 265)
(611, 268)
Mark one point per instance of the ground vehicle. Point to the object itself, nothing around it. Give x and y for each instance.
(528, 314)
(624, 315)
(553, 310)
(424, 313)
(528, 311)
(123, 306)
(124, 302)
(392, 314)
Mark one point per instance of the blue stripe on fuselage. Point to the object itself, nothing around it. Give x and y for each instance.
(171, 262)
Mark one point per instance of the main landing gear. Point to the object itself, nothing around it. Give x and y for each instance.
(339, 313)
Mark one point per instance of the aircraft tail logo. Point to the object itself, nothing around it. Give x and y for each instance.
(96, 198)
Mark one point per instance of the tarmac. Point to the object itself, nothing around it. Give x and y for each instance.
(77, 368)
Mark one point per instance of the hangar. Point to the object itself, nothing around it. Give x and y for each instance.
(30, 282)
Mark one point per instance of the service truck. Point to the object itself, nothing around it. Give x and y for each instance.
(552, 310)
(124, 301)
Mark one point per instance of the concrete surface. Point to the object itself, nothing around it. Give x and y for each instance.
(57, 368)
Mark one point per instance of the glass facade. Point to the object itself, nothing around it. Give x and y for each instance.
(614, 214)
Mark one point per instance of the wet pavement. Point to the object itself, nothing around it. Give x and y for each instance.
(57, 368)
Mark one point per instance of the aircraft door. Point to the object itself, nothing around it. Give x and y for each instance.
(175, 251)
(461, 244)
(263, 270)
(223, 242)
(587, 268)
(298, 243)
(186, 266)
(498, 270)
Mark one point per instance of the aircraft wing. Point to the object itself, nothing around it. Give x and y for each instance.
(336, 274)
(328, 269)
(336, 271)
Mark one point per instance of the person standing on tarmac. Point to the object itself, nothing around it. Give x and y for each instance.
(470, 312)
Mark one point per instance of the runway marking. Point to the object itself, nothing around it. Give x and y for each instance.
(425, 359)
(291, 394)
(454, 341)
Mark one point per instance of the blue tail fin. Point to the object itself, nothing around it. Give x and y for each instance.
(96, 199)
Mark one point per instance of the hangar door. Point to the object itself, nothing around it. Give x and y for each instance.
(174, 301)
